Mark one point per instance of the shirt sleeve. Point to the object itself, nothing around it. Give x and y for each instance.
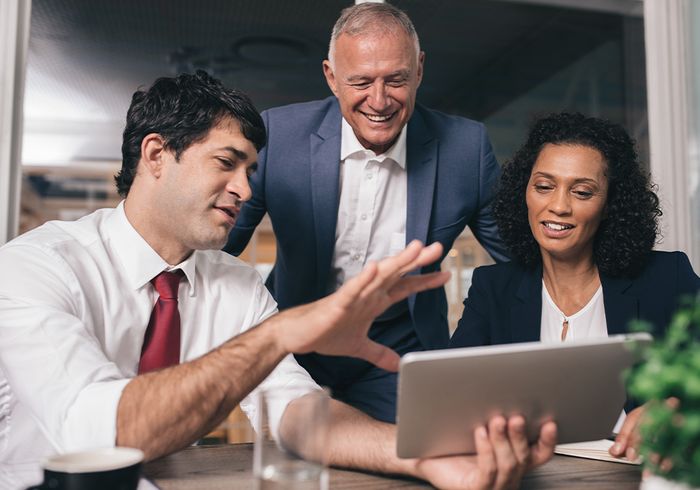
(52, 360)
(288, 377)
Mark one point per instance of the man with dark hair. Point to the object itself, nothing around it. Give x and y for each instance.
(355, 177)
(131, 327)
(182, 110)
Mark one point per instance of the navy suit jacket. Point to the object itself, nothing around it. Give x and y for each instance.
(505, 300)
(451, 174)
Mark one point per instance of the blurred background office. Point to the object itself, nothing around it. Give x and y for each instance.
(69, 68)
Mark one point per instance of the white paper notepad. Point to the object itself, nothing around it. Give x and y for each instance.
(592, 450)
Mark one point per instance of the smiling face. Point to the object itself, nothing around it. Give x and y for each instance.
(566, 197)
(375, 78)
(199, 196)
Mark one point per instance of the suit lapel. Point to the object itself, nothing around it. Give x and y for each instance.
(421, 151)
(526, 314)
(325, 172)
(621, 305)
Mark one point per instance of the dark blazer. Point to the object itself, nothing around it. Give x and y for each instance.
(505, 300)
(451, 173)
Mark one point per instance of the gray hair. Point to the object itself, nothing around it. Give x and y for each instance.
(372, 17)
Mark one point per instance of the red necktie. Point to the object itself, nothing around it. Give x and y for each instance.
(161, 344)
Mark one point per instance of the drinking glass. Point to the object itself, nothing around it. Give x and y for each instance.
(291, 454)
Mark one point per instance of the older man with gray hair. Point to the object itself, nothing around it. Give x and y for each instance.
(355, 177)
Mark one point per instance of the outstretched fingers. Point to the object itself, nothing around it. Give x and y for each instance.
(353, 289)
(427, 256)
(392, 269)
(415, 284)
(415, 255)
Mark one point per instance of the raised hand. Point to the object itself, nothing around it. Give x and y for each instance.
(338, 324)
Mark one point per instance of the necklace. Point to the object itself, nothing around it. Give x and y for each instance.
(564, 328)
(565, 320)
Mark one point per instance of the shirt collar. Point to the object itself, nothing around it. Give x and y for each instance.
(139, 261)
(350, 145)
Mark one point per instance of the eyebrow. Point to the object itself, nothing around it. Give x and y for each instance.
(576, 180)
(240, 154)
(357, 78)
(395, 74)
(399, 73)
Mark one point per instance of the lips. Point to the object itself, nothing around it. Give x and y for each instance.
(553, 229)
(379, 118)
(557, 226)
(231, 212)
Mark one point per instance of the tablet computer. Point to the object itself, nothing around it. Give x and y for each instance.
(443, 395)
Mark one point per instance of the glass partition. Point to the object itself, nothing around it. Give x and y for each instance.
(500, 62)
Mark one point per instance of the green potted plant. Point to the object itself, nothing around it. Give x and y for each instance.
(668, 382)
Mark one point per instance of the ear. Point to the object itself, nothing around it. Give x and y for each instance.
(330, 77)
(421, 60)
(152, 153)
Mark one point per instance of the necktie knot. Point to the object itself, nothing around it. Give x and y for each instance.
(167, 283)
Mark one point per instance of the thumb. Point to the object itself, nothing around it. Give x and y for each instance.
(379, 355)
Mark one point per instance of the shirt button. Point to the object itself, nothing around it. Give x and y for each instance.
(356, 257)
(363, 217)
(369, 176)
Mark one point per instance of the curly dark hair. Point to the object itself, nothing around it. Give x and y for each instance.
(183, 110)
(629, 228)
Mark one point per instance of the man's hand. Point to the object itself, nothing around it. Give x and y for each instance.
(627, 440)
(503, 456)
(338, 324)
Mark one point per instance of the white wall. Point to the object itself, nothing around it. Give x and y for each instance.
(14, 38)
(669, 69)
(694, 150)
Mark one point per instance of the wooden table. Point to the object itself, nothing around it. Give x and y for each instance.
(230, 466)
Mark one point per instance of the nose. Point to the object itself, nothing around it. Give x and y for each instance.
(378, 99)
(560, 203)
(238, 185)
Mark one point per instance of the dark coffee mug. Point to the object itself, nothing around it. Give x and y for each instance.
(116, 468)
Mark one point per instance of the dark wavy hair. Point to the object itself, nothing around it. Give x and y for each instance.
(182, 110)
(629, 227)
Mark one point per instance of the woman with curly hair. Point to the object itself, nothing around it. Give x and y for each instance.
(579, 216)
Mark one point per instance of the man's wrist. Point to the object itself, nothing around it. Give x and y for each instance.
(394, 464)
(274, 329)
(410, 467)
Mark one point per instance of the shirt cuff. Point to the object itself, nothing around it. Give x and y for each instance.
(291, 379)
(92, 420)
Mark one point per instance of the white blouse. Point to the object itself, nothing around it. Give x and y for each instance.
(587, 323)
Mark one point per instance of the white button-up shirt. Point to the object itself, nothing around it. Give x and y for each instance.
(372, 210)
(75, 301)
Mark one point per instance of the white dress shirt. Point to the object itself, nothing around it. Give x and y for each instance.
(75, 301)
(372, 210)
